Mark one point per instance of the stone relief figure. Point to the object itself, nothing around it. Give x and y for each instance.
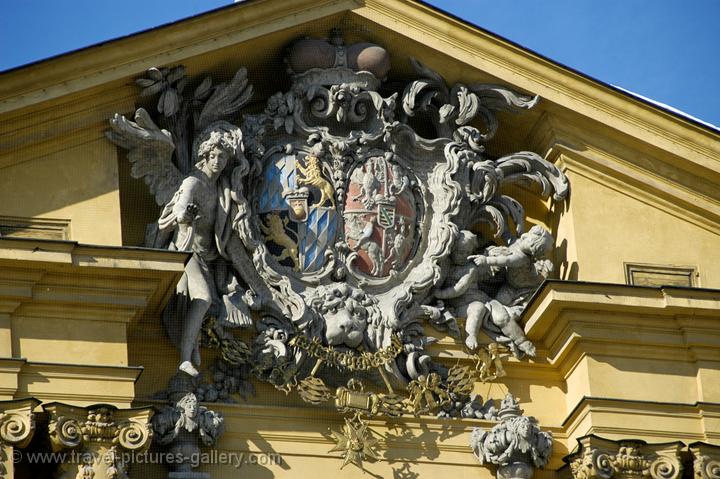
(519, 268)
(199, 213)
(334, 223)
(182, 425)
(516, 445)
(523, 267)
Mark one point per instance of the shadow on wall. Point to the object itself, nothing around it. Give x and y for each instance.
(565, 270)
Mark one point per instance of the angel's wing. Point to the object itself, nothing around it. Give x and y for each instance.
(226, 100)
(150, 152)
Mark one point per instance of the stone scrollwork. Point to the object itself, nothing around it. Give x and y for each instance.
(334, 230)
(599, 458)
(516, 444)
(17, 428)
(99, 435)
(706, 460)
(17, 422)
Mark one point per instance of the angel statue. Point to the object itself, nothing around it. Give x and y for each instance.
(199, 213)
(519, 268)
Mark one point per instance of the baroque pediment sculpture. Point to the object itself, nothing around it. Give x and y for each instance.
(333, 228)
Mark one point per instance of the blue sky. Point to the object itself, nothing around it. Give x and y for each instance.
(667, 50)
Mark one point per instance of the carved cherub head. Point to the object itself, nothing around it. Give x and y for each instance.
(465, 245)
(537, 242)
(217, 147)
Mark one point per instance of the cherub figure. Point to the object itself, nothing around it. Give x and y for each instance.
(524, 267)
(521, 267)
(462, 288)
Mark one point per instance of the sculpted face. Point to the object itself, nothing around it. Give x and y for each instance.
(215, 161)
(342, 328)
(191, 409)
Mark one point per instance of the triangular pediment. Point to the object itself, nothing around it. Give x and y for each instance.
(254, 34)
(362, 258)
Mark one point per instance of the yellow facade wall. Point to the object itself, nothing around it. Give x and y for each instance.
(79, 184)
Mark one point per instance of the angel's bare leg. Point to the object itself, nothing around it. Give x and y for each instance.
(201, 299)
(506, 320)
(476, 313)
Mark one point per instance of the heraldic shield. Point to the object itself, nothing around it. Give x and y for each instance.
(380, 216)
(297, 210)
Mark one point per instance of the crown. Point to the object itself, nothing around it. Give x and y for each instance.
(509, 407)
(320, 61)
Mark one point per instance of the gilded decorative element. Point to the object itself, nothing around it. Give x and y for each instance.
(355, 441)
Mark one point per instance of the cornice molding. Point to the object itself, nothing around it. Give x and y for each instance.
(678, 188)
(131, 55)
(671, 421)
(553, 82)
(562, 319)
(114, 283)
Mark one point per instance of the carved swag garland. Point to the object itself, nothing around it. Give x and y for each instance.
(335, 230)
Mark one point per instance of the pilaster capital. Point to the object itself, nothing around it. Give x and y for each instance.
(70, 427)
(706, 460)
(599, 458)
(17, 421)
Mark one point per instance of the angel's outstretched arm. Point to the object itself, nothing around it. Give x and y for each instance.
(513, 259)
(460, 287)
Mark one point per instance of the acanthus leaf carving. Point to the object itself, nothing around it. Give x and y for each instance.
(99, 435)
(624, 459)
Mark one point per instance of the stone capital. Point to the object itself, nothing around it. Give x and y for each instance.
(98, 436)
(17, 421)
(706, 460)
(599, 458)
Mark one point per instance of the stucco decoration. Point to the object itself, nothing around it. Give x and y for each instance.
(516, 444)
(328, 224)
(102, 437)
(183, 427)
(599, 458)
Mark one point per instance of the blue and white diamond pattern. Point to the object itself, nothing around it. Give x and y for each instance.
(277, 176)
(316, 234)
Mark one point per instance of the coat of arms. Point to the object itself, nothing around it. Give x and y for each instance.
(332, 227)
